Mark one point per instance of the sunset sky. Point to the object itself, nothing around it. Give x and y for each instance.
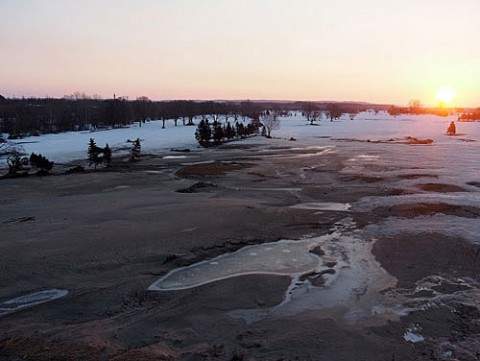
(360, 50)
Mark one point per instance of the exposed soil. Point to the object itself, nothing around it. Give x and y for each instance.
(440, 187)
(411, 210)
(107, 235)
(411, 257)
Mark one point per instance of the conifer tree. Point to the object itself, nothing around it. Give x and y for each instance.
(41, 162)
(107, 155)
(203, 133)
(136, 150)
(218, 133)
(93, 153)
(229, 131)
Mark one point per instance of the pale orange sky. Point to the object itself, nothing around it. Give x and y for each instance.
(360, 50)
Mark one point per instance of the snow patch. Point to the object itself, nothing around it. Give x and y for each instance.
(326, 206)
(30, 300)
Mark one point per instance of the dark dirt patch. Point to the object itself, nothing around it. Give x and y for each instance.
(398, 192)
(411, 257)
(449, 288)
(440, 187)
(199, 187)
(41, 350)
(452, 324)
(363, 178)
(412, 210)
(141, 355)
(417, 176)
(212, 169)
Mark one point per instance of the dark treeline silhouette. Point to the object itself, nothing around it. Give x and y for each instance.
(416, 107)
(35, 116)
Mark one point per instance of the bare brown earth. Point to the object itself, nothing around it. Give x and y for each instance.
(107, 235)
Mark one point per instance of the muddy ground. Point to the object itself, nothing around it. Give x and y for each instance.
(106, 235)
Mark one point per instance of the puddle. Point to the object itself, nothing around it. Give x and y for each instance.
(327, 206)
(30, 300)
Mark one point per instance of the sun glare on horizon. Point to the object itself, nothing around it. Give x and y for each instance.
(445, 95)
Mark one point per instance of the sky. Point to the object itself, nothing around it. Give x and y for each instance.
(344, 50)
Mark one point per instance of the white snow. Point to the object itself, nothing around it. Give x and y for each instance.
(70, 146)
(323, 206)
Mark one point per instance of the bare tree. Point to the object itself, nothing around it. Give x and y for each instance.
(415, 106)
(311, 111)
(270, 120)
(334, 111)
(142, 109)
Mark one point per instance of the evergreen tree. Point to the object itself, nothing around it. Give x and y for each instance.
(93, 153)
(203, 133)
(136, 150)
(229, 131)
(107, 155)
(218, 133)
(241, 130)
(41, 162)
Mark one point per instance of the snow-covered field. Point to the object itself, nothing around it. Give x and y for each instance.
(70, 146)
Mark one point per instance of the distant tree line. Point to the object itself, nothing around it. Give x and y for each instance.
(417, 108)
(470, 116)
(35, 116)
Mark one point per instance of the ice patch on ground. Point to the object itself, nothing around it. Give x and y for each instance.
(30, 300)
(341, 277)
(287, 257)
(351, 290)
(174, 157)
(326, 206)
(412, 335)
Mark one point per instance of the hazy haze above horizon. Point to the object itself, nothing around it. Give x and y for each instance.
(358, 50)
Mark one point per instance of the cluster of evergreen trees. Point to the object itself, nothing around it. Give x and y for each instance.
(98, 155)
(215, 133)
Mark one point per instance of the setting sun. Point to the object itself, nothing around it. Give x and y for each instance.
(445, 95)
